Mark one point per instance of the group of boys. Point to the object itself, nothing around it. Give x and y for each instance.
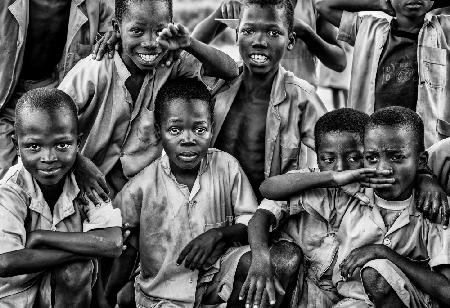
(202, 157)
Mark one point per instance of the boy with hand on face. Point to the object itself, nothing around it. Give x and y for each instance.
(183, 205)
(264, 115)
(402, 62)
(389, 255)
(115, 97)
(48, 240)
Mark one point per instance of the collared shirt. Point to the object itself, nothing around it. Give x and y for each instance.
(369, 35)
(439, 162)
(23, 209)
(13, 34)
(113, 126)
(311, 232)
(411, 235)
(294, 108)
(169, 217)
(300, 60)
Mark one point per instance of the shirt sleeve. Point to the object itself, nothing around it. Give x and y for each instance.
(348, 28)
(106, 15)
(187, 66)
(279, 209)
(13, 212)
(439, 162)
(316, 202)
(313, 109)
(101, 216)
(242, 194)
(438, 245)
(129, 201)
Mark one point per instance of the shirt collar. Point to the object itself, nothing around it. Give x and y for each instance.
(122, 70)
(413, 211)
(165, 163)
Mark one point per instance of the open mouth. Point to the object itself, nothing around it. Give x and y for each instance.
(414, 5)
(49, 172)
(148, 58)
(187, 156)
(259, 58)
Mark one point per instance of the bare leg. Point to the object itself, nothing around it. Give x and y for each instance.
(379, 290)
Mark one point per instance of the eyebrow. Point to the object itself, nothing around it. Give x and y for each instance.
(270, 25)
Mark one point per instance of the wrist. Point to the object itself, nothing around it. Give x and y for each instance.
(334, 178)
(189, 45)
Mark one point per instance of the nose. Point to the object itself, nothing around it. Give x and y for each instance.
(148, 40)
(259, 40)
(384, 164)
(340, 164)
(48, 155)
(188, 138)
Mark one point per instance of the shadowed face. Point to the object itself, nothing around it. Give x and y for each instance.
(394, 149)
(140, 26)
(412, 8)
(263, 37)
(47, 144)
(186, 132)
(340, 151)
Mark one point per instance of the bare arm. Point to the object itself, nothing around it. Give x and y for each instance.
(209, 28)
(26, 261)
(96, 243)
(323, 44)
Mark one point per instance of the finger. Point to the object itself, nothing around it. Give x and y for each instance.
(183, 254)
(378, 180)
(182, 30)
(96, 47)
(384, 172)
(237, 10)
(420, 201)
(124, 247)
(202, 261)
(173, 30)
(101, 51)
(195, 260)
(229, 10)
(125, 235)
(190, 256)
(165, 33)
(224, 11)
(372, 185)
(244, 289)
(278, 287)
(260, 287)
(270, 291)
(264, 298)
(104, 189)
(83, 200)
(91, 196)
(250, 292)
(427, 205)
(163, 43)
(435, 206)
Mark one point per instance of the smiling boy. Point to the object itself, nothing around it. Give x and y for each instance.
(400, 259)
(185, 204)
(402, 62)
(48, 240)
(115, 97)
(264, 115)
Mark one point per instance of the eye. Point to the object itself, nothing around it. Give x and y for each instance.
(246, 31)
(371, 159)
(174, 130)
(274, 33)
(63, 146)
(33, 147)
(354, 158)
(200, 130)
(136, 31)
(328, 160)
(397, 157)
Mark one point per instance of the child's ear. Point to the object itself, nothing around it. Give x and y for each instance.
(79, 140)
(423, 160)
(16, 145)
(292, 37)
(116, 27)
(157, 132)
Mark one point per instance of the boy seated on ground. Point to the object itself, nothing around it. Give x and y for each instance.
(338, 137)
(263, 116)
(388, 252)
(182, 206)
(115, 97)
(49, 242)
(399, 62)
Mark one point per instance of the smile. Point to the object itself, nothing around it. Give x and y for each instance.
(148, 58)
(187, 156)
(49, 172)
(259, 58)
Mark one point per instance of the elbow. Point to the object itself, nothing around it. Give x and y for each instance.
(267, 190)
(232, 72)
(340, 65)
(116, 248)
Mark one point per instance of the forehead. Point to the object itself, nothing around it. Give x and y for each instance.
(381, 138)
(147, 12)
(340, 142)
(184, 109)
(44, 123)
(262, 15)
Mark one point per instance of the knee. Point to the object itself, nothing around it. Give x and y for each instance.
(286, 258)
(377, 288)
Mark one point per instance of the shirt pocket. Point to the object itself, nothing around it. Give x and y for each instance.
(434, 61)
(289, 158)
(443, 128)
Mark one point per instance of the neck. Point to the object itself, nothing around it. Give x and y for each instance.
(259, 83)
(184, 176)
(51, 193)
(410, 24)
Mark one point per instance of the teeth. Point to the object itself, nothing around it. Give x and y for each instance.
(148, 58)
(259, 58)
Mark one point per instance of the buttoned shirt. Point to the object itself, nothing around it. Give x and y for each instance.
(169, 217)
(369, 35)
(300, 60)
(114, 127)
(439, 162)
(13, 34)
(23, 209)
(294, 108)
(357, 225)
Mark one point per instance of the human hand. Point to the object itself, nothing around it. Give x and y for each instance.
(368, 177)
(300, 27)
(386, 7)
(199, 249)
(230, 9)
(261, 283)
(174, 36)
(360, 256)
(126, 231)
(108, 43)
(170, 57)
(218, 251)
(432, 200)
(90, 180)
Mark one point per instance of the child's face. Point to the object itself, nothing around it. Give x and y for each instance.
(394, 149)
(412, 8)
(263, 37)
(140, 26)
(340, 151)
(186, 132)
(47, 144)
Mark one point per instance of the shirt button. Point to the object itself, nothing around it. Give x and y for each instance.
(387, 242)
(53, 228)
(190, 280)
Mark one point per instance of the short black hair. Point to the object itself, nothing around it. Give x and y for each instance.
(401, 118)
(340, 120)
(121, 7)
(47, 100)
(287, 5)
(181, 87)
